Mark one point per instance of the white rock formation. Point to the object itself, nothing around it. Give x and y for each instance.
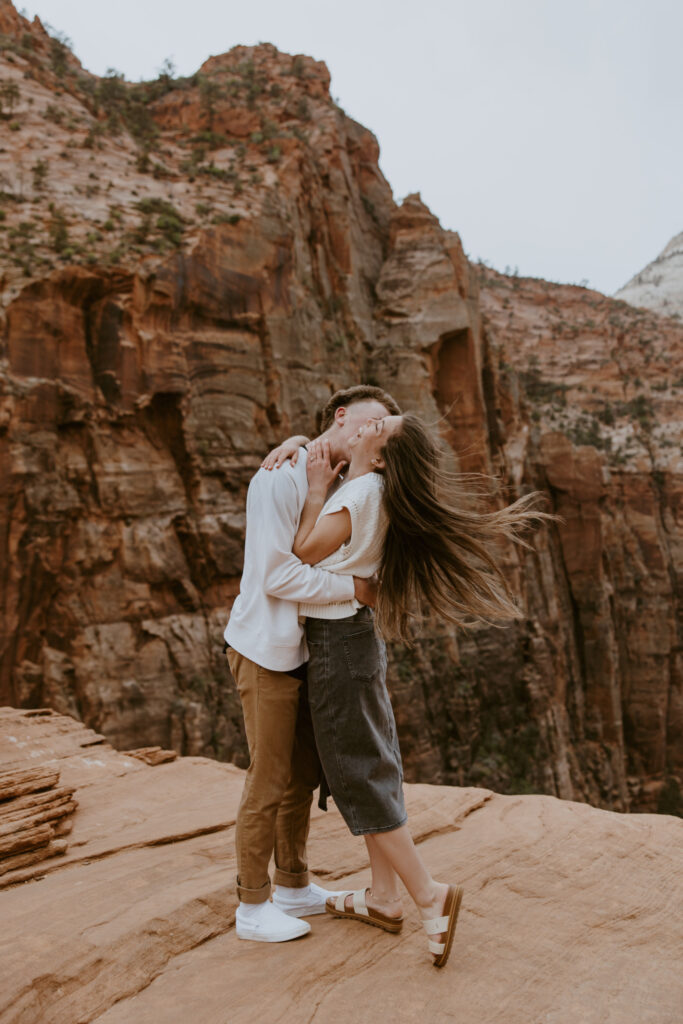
(659, 286)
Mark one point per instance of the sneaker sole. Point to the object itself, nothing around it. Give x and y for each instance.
(254, 936)
(319, 908)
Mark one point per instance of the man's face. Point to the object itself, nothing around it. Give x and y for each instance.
(352, 417)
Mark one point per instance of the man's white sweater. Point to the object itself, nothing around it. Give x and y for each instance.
(264, 622)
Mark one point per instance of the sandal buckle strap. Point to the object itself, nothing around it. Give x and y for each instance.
(339, 902)
(359, 905)
(436, 925)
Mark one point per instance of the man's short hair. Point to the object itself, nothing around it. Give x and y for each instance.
(359, 393)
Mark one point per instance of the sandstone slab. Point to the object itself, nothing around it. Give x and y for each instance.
(571, 913)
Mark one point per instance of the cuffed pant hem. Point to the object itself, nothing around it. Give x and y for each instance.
(261, 895)
(291, 880)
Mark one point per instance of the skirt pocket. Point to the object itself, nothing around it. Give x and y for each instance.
(362, 655)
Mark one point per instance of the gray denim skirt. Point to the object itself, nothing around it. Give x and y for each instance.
(353, 720)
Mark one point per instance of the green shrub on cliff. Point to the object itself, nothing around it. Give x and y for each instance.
(586, 430)
(60, 47)
(538, 389)
(21, 245)
(9, 98)
(212, 140)
(169, 223)
(125, 107)
(226, 218)
(606, 415)
(58, 231)
(39, 172)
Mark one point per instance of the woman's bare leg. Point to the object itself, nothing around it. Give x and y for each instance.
(385, 893)
(393, 855)
(397, 851)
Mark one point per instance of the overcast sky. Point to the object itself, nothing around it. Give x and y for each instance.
(547, 132)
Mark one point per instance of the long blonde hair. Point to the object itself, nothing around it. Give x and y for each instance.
(437, 551)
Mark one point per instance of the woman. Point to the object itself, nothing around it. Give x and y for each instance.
(388, 516)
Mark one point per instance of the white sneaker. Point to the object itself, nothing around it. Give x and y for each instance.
(302, 902)
(263, 922)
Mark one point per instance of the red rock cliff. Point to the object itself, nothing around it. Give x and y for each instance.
(190, 268)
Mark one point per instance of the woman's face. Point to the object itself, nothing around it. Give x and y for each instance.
(367, 443)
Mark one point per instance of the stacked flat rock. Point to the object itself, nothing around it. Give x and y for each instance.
(152, 755)
(34, 815)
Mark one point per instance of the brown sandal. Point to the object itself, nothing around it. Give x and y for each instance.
(436, 925)
(361, 912)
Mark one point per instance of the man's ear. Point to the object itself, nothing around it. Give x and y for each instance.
(340, 415)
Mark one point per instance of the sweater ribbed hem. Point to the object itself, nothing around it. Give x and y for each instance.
(338, 610)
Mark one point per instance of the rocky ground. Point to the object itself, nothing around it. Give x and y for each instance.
(190, 267)
(570, 913)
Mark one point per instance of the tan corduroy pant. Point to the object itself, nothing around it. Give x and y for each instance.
(284, 771)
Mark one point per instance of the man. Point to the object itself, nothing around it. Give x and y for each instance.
(267, 654)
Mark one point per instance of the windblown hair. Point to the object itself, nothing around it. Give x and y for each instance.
(437, 551)
(358, 393)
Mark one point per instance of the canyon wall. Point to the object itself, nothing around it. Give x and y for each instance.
(190, 267)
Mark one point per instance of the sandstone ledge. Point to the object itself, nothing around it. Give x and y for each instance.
(571, 914)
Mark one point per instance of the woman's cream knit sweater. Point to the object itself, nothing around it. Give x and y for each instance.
(362, 554)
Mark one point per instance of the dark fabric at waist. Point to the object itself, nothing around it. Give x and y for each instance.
(364, 616)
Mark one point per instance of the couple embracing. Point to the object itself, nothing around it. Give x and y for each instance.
(306, 651)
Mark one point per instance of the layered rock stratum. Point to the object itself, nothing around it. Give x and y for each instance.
(190, 268)
(659, 285)
(570, 913)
